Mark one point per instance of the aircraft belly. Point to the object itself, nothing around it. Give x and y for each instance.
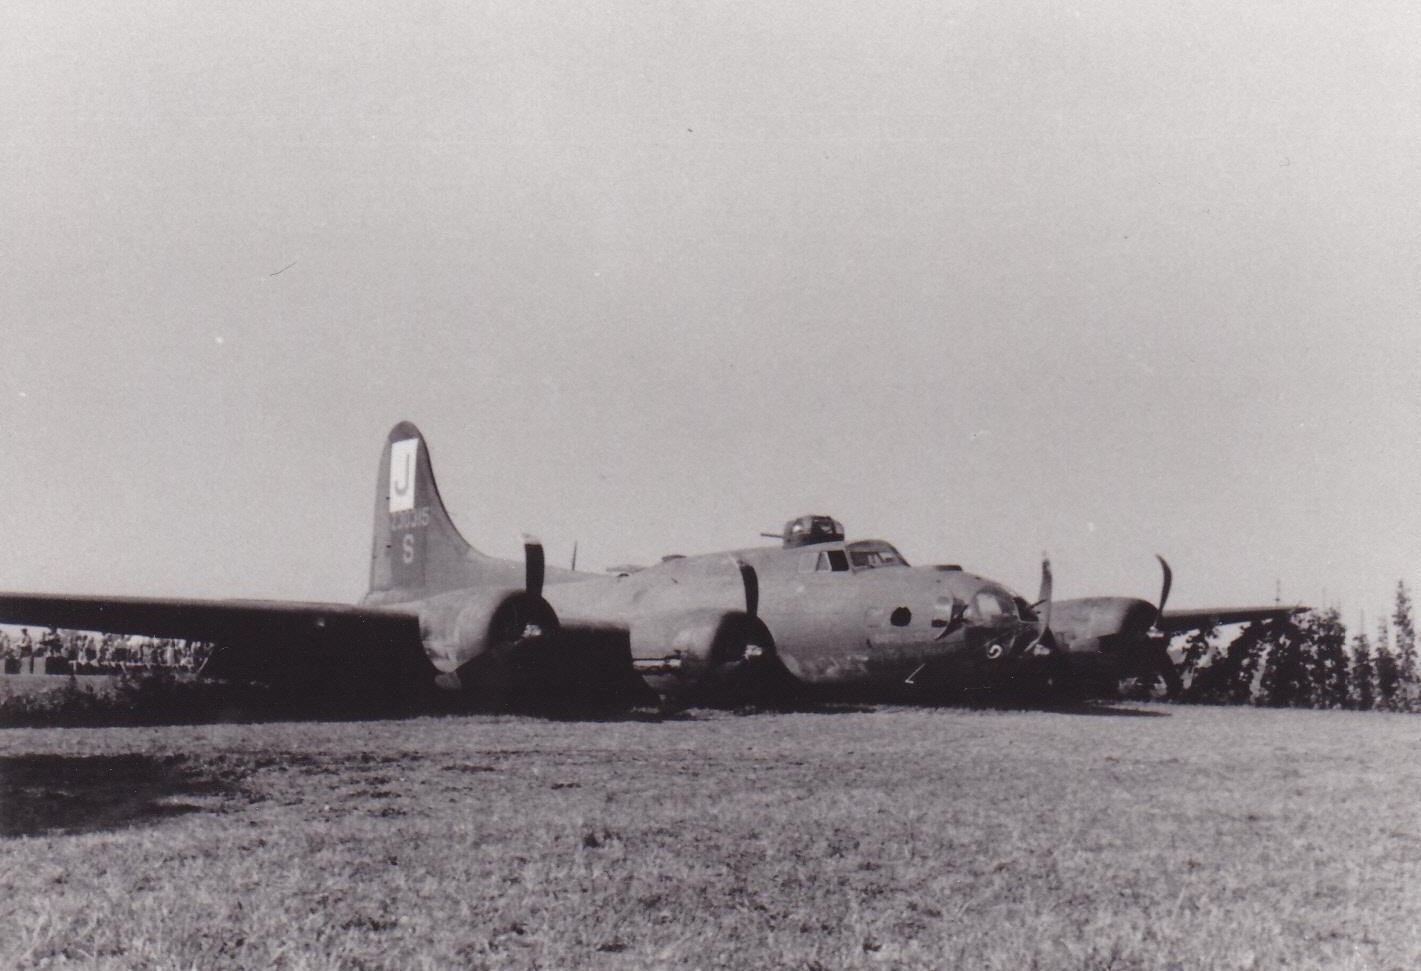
(883, 659)
(836, 652)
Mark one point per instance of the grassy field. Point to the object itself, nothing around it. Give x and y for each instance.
(1152, 837)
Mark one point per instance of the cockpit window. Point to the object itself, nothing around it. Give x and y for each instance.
(832, 560)
(990, 606)
(872, 559)
(870, 554)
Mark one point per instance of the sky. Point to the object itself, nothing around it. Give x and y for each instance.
(985, 280)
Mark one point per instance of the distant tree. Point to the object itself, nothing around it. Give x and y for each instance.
(1229, 675)
(1284, 682)
(1198, 650)
(1325, 653)
(1388, 669)
(1213, 674)
(1404, 631)
(1362, 691)
(1252, 645)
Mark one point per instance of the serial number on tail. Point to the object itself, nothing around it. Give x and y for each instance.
(409, 519)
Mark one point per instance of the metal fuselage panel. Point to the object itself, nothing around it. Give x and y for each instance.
(830, 628)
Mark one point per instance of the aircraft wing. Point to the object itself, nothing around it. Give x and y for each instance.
(1172, 621)
(198, 620)
(261, 636)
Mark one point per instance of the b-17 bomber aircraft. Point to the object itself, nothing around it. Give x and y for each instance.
(816, 614)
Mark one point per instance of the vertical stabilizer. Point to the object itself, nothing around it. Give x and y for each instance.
(417, 549)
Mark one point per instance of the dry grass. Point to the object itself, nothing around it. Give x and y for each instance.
(1150, 838)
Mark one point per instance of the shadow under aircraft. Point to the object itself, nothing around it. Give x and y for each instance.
(814, 615)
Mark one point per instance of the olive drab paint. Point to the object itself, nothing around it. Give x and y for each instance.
(817, 612)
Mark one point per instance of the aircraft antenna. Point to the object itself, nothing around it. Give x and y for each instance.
(574, 555)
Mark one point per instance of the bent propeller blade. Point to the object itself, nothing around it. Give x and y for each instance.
(533, 566)
(1044, 598)
(1164, 591)
(751, 579)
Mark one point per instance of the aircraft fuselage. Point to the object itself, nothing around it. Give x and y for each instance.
(830, 624)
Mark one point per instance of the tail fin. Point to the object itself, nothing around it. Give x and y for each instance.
(417, 547)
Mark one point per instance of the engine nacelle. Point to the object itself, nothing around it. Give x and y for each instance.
(1102, 638)
(685, 653)
(492, 639)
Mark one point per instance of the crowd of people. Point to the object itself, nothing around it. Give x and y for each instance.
(76, 652)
